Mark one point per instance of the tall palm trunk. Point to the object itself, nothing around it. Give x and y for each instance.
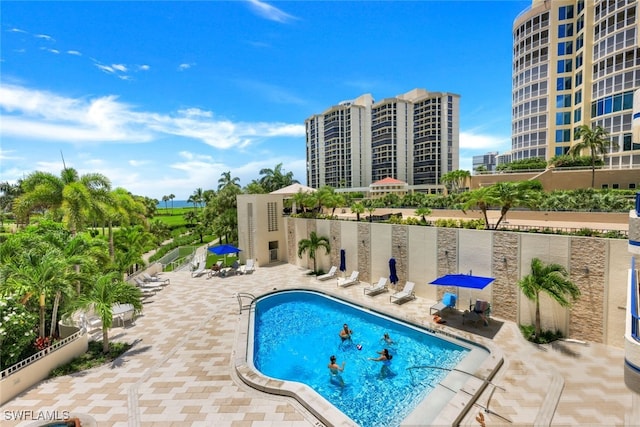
(538, 326)
(105, 340)
(42, 310)
(54, 314)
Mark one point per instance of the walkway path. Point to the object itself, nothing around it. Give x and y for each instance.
(179, 371)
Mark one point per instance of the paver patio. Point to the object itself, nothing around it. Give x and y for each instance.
(180, 371)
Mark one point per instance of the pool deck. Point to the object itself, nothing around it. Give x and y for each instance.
(181, 368)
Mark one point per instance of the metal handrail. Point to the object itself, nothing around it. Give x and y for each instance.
(484, 380)
(240, 296)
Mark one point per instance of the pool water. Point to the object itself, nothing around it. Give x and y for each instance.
(296, 333)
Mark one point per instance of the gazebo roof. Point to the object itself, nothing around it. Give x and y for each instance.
(292, 189)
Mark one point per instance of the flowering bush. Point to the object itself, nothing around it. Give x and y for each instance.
(42, 343)
(17, 331)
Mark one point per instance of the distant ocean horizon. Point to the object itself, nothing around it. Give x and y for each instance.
(175, 204)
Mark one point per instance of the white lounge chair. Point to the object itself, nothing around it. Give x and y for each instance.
(248, 267)
(149, 278)
(147, 286)
(351, 280)
(404, 295)
(200, 270)
(329, 275)
(378, 288)
(448, 302)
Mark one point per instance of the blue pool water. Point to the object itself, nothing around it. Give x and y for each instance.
(296, 332)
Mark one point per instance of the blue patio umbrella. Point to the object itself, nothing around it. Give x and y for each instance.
(463, 281)
(224, 250)
(343, 260)
(393, 276)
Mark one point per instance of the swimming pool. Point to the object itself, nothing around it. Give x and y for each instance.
(293, 333)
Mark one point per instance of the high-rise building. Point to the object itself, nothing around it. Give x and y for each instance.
(413, 137)
(486, 162)
(575, 62)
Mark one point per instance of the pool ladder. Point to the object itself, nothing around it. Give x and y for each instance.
(242, 298)
(486, 381)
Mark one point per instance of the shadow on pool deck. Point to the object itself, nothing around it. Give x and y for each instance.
(454, 320)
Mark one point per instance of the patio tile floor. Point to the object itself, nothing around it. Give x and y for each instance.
(180, 371)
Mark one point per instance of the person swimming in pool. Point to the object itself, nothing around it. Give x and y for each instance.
(336, 369)
(385, 358)
(345, 333)
(387, 339)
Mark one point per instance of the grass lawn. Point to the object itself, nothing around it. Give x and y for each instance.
(92, 358)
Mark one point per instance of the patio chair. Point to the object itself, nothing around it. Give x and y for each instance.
(406, 294)
(351, 280)
(248, 267)
(149, 278)
(480, 311)
(448, 302)
(329, 275)
(200, 270)
(378, 288)
(215, 269)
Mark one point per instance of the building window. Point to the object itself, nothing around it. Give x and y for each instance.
(577, 115)
(565, 30)
(564, 65)
(565, 12)
(565, 48)
(563, 83)
(563, 135)
(563, 101)
(578, 97)
(272, 216)
(563, 118)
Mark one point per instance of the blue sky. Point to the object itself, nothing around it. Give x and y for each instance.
(163, 97)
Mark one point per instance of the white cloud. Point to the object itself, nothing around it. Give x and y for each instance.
(473, 141)
(185, 66)
(143, 67)
(269, 12)
(119, 67)
(74, 52)
(44, 37)
(33, 114)
(105, 68)
(17, 30)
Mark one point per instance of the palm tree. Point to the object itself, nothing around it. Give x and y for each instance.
(76, 195)
(596, 141)
(422, 212)
(165, 199)
(357, 208)
(551, 279)
(197, 198)
(109, 289)
(481, 199)
(455, 180)
(311, 245)
(226, 180)
(171, 197)
(35, 273)
(512, 194)
(371, 205)
(8, 193)
(274, 179)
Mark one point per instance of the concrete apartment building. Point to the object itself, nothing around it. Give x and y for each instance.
(575, 62)
(413, 137)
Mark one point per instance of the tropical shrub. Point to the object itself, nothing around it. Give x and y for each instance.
(17, 331)
(524, 164)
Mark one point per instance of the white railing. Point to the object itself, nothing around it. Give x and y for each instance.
(39, 355)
